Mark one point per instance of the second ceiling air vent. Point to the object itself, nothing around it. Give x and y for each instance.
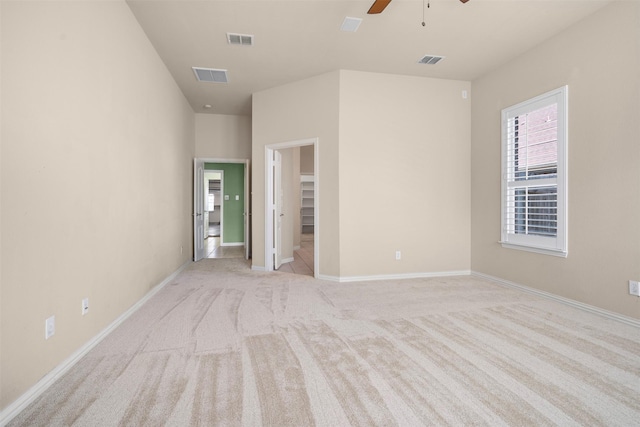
(430, 59)
(240, 39)
(211, 75)
(350, 25)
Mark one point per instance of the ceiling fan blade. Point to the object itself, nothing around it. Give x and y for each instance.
(464, 1)
(378, 6)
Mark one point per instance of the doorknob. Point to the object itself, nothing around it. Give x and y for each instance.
(281, 214)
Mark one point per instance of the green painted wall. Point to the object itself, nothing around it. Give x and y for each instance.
(233, 184)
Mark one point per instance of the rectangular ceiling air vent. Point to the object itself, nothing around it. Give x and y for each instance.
(240, 39)
(350, 25)
(210, 75)
(430, 59)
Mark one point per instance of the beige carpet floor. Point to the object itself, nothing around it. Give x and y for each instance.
(224, 345)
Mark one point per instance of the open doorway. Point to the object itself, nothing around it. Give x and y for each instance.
(213, 212)
(221, 209)
(303, 201)
(285, 211)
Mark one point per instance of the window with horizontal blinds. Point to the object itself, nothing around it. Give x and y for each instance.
(534, 174)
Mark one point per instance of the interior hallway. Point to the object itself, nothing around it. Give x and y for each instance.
(214, 250)
(302, 258)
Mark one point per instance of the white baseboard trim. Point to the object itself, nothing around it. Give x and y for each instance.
(232, 244)
(286, 260)
(11, 411)
(345, 279)
(328, 278)
(567, 301)
(295, 248)
(258, 268)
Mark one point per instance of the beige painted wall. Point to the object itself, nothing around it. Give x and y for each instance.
(296, 111)
(404, 175)
(599, 59)
(306, 160)
(94, 129)
(420, 177)
(221, 136)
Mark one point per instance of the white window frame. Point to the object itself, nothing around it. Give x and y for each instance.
(549, 245)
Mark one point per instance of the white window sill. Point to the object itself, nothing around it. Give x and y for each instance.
(538, 250)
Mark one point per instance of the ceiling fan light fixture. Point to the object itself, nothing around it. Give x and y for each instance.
(378, 6)
(350, 25)
(430, 59)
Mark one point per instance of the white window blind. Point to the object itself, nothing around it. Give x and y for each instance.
(534, 174)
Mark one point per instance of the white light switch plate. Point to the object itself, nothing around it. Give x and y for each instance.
(49, 327)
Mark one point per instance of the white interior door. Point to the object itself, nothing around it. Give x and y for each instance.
(198, 210)
(277, 208)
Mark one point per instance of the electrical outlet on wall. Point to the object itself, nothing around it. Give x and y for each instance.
(634, 288)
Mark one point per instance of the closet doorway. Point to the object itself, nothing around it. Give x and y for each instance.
(275, 214)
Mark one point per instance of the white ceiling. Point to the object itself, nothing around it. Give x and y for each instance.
(297, 39)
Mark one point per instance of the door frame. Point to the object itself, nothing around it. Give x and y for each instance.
(268, 205)
(277, 208)
(247, 197)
